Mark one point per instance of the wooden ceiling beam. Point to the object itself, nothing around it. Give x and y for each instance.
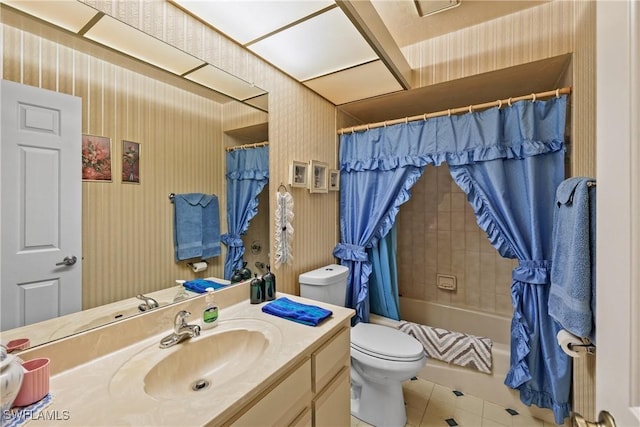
(365, 18)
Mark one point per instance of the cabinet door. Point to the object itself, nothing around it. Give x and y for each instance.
(303, 420)
(283, 403)
(332, 407)
(330, 358)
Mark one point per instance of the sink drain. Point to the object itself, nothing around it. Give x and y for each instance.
(200, 385)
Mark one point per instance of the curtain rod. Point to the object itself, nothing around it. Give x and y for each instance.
(245, 146)
(471, 108)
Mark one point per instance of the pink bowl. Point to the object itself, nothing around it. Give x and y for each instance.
(18, 344)
(35, 383)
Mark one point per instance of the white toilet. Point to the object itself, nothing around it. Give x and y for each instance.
(381, 357)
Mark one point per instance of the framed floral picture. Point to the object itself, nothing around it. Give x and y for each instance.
(130, 162)
(334, 180)
(318, 177)
(298, 174)
(96, 158)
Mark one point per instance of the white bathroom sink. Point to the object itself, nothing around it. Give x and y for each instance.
(198, 365)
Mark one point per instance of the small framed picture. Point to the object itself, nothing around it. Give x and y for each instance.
(318, 177)
(298, 174)
(96, 158)
(130, 162)
(334, 180)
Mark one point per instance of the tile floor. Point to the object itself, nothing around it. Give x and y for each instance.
(432, 405)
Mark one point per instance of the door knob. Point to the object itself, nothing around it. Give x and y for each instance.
(605, 419)
(68, 260)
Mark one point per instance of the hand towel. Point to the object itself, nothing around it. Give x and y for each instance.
(306, 314)
(572, 289)
(200, 285)
(196, 226)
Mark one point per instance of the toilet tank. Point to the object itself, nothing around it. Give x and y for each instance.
(326, 284)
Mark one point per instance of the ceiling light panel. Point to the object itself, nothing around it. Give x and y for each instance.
(221, 81)
(364, 81)
(120, 36)
(70, 15)
(321, 45)
(245, 21)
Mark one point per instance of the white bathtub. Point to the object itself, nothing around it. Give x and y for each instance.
(490, 388)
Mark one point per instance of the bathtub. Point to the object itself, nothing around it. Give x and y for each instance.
(491, 387)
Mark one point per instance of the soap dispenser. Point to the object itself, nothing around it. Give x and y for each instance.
(182, 292)
(256, 293)
(210, 312)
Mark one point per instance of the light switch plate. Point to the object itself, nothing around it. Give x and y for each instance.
(446, 282)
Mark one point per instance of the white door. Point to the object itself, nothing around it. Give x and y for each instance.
(41, 215)
(618, 216)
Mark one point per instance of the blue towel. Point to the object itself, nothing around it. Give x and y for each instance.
(306, 314)
(572, 290)
(200, 285)
(196, 226)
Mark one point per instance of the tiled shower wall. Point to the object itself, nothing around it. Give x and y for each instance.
(438, 234)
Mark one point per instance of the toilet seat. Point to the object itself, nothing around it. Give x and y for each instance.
(385, 343)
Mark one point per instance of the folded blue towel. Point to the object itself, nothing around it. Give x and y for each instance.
(200, 285)
(572, 290)
(196, 226)
(306, 314)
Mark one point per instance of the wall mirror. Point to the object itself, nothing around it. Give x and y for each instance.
(118, 67)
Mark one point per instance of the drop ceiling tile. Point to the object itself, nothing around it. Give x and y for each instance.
(70, 15)
(244, 21)
(364, 81)
(224, 82)
(120, 36)
(323, 44)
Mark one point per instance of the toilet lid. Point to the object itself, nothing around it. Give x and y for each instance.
(385, 342)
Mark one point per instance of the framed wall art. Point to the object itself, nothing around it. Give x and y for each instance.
(318, 177)
(334, 180)
(298, 174)
(130, 162)
(96, 158)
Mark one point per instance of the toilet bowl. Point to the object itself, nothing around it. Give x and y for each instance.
(381, 357)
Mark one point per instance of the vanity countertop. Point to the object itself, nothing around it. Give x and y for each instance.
(109, 390)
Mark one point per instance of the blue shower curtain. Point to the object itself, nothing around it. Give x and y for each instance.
(516, 152)
(369, 202)
(383, 289)
(513, 203)
(247, 174)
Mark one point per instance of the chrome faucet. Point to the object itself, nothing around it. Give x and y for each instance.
(148, 304)
(181, 330)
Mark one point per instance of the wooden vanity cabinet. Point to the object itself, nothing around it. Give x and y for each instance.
(314, 393)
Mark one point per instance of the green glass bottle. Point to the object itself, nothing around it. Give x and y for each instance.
(269, 285)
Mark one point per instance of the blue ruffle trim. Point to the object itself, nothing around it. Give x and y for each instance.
(561, 410)
(253, 174)
(479, 154)
(482, 210)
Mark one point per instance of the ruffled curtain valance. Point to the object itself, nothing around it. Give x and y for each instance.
(524, 129)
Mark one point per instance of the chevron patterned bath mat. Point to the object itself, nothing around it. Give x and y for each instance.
(460, 349)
